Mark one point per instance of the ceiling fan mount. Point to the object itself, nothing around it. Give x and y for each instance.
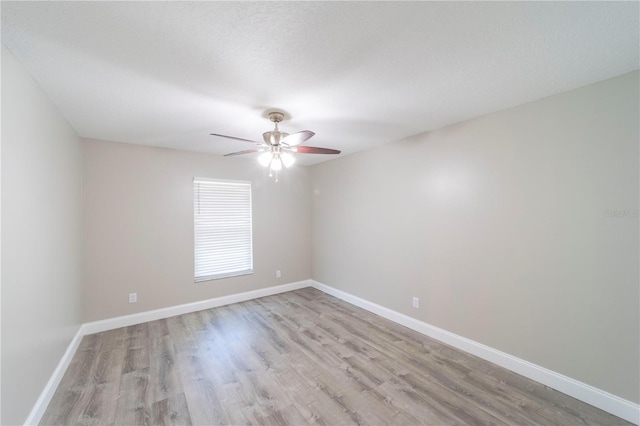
(277, 147)
(276, 116)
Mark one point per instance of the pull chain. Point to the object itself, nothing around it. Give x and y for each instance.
(271, 171)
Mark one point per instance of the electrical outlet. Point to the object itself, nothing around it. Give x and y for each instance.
(416, 302)
(133, 297)
(278, 274)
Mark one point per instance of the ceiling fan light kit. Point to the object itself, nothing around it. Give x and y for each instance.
(278, 147)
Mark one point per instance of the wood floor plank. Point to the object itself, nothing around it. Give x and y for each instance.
(302, 357)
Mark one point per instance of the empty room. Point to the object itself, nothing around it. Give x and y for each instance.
(333, 213)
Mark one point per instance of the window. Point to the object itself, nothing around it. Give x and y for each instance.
(222, 224)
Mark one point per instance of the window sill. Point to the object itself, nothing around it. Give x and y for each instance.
(221, 276)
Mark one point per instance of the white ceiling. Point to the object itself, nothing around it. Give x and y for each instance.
(359, 74)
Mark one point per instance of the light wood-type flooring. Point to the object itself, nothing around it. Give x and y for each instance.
(296, 358)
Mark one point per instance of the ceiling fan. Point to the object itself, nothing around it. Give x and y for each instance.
(278, 147)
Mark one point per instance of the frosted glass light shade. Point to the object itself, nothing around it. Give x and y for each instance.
(287, 159)
(276, 164)
(265, 158)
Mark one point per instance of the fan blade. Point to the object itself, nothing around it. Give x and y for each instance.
(247, 151)
(314, 150)
(233, 137)
(297, 138)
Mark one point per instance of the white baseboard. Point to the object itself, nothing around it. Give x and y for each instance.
(172, 311)
(598, 398)
(109, 324)
(50, 388)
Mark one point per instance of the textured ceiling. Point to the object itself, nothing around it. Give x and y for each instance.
(359, 74)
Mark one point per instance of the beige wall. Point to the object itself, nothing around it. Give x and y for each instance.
(499, 225)
(41, 239)
(138, 227)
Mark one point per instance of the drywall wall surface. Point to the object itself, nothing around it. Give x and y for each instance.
(138, 227)
(518, 230)
(41, 239)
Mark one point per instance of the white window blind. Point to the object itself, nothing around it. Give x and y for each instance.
(222, 223)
